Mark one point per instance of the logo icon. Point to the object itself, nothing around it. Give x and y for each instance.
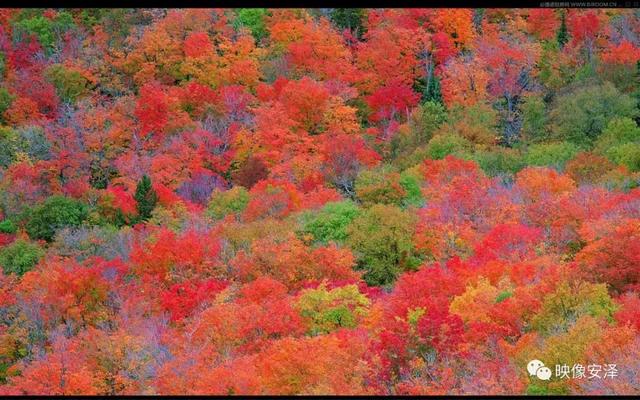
(537, 368)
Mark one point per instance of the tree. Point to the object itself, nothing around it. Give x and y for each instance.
(553, 155)
(330, 222)
(54, 213)
(562, 37)
(380, 186)
(581, 116)
(253, 19)
(146, 198)
(612, 258)
(20, 256)
(381, 237)
(351, 19)
(223, 203)
(326, 310)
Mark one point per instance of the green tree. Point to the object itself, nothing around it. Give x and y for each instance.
(48, 31)
(381, 237)
(327, 310)
(146, 198)
(581, 116)
(69, 84)
(430, 89)
(6, 99)
(330, 222)
(618, 131)
(569, 301)
(380, 185)
(627, 154)
(534, 119)
(54, 213)
(500, 161)
(252, 19)
(8, 146)
(410, 181)
(349, 18)
(223, 203)
(20, 256)
(551, 154)
(442, 145)
(7, 226)
(562, 37)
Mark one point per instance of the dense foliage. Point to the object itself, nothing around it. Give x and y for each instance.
(326, 201)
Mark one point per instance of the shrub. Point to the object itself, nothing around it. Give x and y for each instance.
(32, 141)
(199, 188)
(6, 99)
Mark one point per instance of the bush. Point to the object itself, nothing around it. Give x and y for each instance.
(477, 124)
(56, 212)
(84, 242)
(20, 257)
(223, 203)
(199, 188)
(330, 222)
(325, 310)
(550, 154)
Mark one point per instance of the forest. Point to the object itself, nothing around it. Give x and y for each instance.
(319, 201)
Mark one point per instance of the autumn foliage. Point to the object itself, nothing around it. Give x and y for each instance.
(318, 201)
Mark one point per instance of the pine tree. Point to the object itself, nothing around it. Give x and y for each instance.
(146, 197)
(563, 35)
(350, 18)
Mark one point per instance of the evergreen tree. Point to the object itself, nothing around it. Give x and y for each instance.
(146, 198)
(563, 35)
(349, 18)
(431, 90)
